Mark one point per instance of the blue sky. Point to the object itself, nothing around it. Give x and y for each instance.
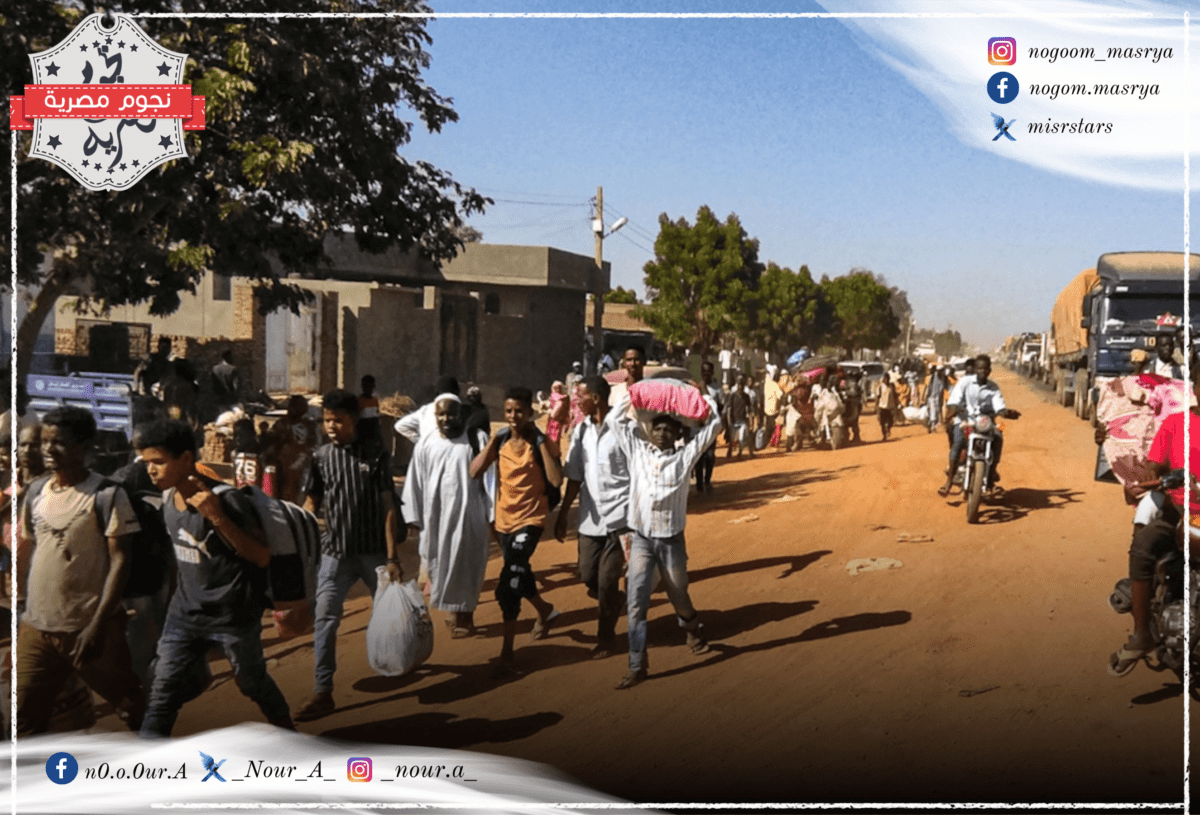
(830, 156)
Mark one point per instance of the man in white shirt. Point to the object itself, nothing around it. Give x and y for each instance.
(978, 396)
(596, 471)
(1164, 359)
(725, 357)
(658, 491)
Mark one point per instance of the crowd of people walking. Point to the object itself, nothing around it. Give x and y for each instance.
(82, 536)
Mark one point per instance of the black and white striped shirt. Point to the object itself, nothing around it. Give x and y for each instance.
(350, 480)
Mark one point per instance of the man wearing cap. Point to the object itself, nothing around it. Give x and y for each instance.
(450, 510)
(421, 422)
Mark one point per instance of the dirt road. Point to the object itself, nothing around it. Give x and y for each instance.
(972, 672)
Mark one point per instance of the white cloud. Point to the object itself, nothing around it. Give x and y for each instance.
(945, 56)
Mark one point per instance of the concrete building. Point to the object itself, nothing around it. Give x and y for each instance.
(621, 330)
(495, 315)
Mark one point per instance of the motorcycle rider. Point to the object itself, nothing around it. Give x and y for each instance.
(977, 396)
(1157, 537)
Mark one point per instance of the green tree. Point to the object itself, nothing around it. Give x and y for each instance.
(862, 310)
(620, 295)
(701, 282)
(305, 118)
(788, 311)
(947, 343)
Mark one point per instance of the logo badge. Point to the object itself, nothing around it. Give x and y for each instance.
(998, 123)
(212, 766)
(107, 104)
(1003, 87)
(359, 769)
(1002, 51)
(61, 768)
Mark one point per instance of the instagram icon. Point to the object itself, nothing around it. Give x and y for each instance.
(359, 769)
(1002, 51)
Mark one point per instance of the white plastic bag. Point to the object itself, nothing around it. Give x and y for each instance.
(400, 633)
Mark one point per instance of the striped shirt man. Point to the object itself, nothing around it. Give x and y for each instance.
(658, 479)
(349, 479)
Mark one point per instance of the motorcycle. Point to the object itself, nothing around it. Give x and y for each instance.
(976, 462)
(1167, 613)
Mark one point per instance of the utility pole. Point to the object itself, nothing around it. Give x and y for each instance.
(598, 289)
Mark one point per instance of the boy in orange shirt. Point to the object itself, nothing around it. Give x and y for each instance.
(526, 460)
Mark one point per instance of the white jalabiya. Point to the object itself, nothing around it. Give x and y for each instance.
(451, 509)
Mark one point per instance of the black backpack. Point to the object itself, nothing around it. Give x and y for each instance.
(149, 553)
(553, 493)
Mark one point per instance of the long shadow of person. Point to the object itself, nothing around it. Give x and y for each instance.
(866, 621)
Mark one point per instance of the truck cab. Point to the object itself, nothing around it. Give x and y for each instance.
(1137, 298)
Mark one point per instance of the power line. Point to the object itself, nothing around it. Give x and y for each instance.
(638, 244)
(521, 194)
(562, 215)
(642, 232)
(539, 203)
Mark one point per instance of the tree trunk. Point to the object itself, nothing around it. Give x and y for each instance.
(53, 286)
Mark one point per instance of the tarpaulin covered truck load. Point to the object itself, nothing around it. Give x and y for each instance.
(1069, 337)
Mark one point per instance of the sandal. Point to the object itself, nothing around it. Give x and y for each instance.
(632, 678)
(943, 491)
(697, 643)
(458, 632)
(1125, 660)
(542, 626)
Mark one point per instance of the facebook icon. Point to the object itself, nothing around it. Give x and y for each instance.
(1003, 87)
(62, 768)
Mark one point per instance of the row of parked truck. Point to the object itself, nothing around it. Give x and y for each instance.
(1128, 301)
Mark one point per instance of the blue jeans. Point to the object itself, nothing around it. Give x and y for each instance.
(335, 577)
(670, 556)
(181, 669)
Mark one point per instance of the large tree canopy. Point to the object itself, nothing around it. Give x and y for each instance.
(305, 118)
(863, 311)
(701, 280)
(789, 311)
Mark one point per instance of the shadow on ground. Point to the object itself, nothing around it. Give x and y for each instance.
(445, 730)
(758, 490)
(1018, 503)
(866, 621)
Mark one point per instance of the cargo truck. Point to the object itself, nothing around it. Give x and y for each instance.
(1128, 301)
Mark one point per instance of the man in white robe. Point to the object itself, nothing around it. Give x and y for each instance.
(451, 510)
(421, 422)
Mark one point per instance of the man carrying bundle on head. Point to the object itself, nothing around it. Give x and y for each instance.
(658, 490)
